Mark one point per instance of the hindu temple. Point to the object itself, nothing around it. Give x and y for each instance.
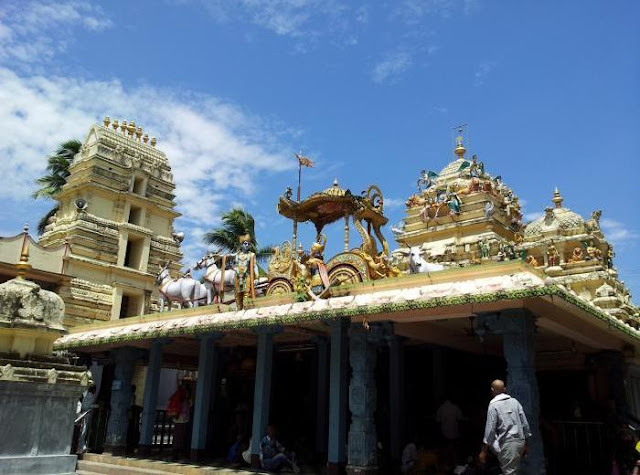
(349, 355)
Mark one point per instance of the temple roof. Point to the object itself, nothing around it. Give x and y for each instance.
(556, 221)
(403, 299)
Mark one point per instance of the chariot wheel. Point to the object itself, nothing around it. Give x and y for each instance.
(344, 274)
(279, 286)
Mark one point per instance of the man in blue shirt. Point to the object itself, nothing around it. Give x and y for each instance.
(273, 455)
(506, 431)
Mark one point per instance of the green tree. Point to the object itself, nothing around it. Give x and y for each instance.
(57, 173)
(235, 223)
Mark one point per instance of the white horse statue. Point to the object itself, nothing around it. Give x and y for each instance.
(213, 277)
(185, 290)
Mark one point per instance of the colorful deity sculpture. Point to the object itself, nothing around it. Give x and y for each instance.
(245, 265)
(609, 258)
(553, 256)
(316, 268)
(484, 246)
(577, 255)
(454, 203)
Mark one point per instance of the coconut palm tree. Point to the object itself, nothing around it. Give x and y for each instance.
(235, 223)
(57, 172)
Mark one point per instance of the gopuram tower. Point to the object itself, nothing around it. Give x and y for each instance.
(116, 215)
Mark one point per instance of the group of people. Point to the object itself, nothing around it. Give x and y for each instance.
(273, 456)
(506, 434)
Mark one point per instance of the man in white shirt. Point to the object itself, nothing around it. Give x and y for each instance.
(506, 431)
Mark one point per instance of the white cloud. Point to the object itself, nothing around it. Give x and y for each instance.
(362, 15)
(528, 217)
(304, 20)
(391, 68)
(35, 31)
(393, 203)
(617, 232)
(217, 151)
(413, 11)
(481, 73)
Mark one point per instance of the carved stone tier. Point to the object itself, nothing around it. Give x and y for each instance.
(38, 392)
(116, 215)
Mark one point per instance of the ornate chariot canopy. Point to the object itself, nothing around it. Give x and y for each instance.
(334, 203)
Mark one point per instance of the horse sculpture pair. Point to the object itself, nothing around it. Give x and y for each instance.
(188, 291)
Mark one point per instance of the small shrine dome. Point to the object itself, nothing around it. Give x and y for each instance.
(335, 190)
(555, 221)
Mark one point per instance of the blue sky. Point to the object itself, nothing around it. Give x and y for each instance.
(370, 90)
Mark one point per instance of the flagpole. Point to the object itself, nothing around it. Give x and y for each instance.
(295, 217)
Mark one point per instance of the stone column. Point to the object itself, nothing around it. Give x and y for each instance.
(362, 456)
(150, 397)
(518, 330)
(396, 396)
(322, 390)
(205, 385)
(123, 359)
(439, 376)
(262, 392)
(632, 387)
(337, 449)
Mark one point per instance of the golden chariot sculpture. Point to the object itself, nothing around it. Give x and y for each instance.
(292, 270)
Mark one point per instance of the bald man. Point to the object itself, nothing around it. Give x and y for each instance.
(506, 431)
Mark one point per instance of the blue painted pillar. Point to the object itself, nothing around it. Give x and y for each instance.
(123, 359)
(262, 391)
(338, 387)
(207, 362)
(362, 449)
(518, 330)
(396, 396)
(439, 376)
(322, 392)
(150, 398)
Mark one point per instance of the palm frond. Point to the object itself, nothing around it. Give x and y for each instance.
(43, 222)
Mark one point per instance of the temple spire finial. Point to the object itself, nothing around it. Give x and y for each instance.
(23, 265)
(557, 199)
(460, 149)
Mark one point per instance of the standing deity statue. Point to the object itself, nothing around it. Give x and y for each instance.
(454, 203)
(245, 267)
(427, 179)
(476, 168)
(319, 278)
(553, 256)
(484, 248)
(609, 258)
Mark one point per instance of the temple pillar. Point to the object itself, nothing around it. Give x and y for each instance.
(207, 362)
(518, 330)
(150, 397)
(322, 387)
(632, 388)
(262, 391)
(337, 449)
(396, 396)
(116, 438)
(439, 376)
(362, 448)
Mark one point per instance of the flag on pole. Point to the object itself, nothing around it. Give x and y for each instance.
(304, 161)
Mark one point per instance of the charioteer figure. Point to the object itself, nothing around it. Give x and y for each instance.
(245, 267)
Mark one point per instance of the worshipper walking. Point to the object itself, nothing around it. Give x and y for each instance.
(88, 404)
(506, 431)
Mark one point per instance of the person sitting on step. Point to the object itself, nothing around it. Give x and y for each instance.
(273, 455)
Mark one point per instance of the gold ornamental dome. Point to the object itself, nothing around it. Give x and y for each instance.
(335, 189)
(556, 220)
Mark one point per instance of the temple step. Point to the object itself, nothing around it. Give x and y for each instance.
(111, 465)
